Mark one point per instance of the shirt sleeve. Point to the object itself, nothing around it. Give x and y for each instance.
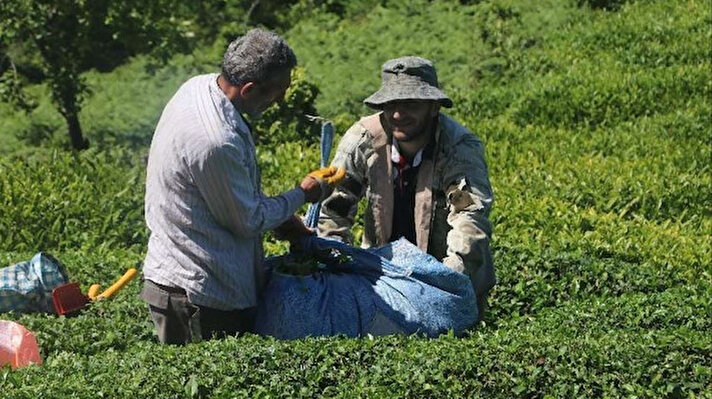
(232, 194)
(339, 209)
(469, 198)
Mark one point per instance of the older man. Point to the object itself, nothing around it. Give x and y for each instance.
(424, 176)
(204, 205)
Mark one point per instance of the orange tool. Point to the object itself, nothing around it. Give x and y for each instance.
(68, 298)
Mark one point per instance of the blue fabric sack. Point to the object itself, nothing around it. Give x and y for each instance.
(27, 286)
(396, 288)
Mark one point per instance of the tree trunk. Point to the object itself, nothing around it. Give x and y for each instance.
(75, 132)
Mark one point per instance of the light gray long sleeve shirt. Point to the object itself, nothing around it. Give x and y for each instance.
(204, 205)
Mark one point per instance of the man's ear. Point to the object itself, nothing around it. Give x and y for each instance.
(247, 89)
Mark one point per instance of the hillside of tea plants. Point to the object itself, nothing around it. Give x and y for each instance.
(597, 122)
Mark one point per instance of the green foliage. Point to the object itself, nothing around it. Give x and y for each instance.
(70, 37)
(60, 200)
(596, 126)
(288, 120)
(37, 134)
(11, 87)
(345, 56)
(343, 9)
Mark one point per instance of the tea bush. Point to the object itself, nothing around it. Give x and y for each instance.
(61, 200)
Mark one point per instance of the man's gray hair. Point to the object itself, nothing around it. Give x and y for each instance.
(258, 56)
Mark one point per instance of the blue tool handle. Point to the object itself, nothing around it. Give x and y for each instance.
(327, 139)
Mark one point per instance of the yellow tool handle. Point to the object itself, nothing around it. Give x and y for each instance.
(118, 284)
(331, 174)
(93, 291)
(337, 176)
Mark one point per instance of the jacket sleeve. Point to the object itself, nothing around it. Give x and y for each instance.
(469, 199)
(339, 209)
(223, 178)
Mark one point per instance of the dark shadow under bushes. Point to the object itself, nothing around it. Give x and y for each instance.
(608, 5)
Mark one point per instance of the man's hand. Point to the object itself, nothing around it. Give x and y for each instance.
(292, 230)
(318, 184)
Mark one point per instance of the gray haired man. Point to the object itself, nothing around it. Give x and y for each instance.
(204, 205)
(423, 174)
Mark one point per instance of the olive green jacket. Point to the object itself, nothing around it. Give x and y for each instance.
(452, 201)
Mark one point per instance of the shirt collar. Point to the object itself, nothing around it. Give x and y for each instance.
(227, 110)
(395, 155)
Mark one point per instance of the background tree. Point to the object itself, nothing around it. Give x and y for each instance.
(56, 40)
